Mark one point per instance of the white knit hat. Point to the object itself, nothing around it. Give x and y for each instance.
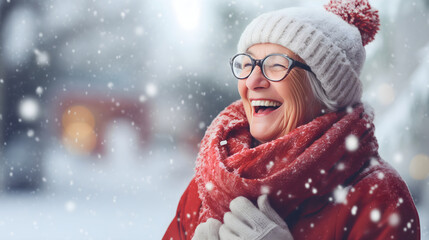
(332, 47)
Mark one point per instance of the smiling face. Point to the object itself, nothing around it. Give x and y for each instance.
(273, 109)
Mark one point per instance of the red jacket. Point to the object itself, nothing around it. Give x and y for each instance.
(365, 213)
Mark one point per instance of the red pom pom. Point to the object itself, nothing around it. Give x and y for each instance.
(358, 13)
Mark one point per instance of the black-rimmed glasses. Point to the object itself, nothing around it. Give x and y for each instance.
(275, 67)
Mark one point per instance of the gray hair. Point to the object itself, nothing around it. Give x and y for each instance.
(320, 94)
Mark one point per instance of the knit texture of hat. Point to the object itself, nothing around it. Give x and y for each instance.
(332, 47)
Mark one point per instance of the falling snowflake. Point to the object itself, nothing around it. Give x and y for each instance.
(124, 13)
(354, 210)
(151, 90)
(42, 57)
(352, 143)
(374, 162)
(222, 143)
(30, 133)
(375, 215)
(142, 98)
(371, 191)
(400, 201)
(349, 109)
(394, 219)
(409, 225)
(39, 91)
(209, 186)
(340, 194)
(139, 31)
(397, 157)
(270, 165)
(341, 166)
(70, 206)
(265, 190)
(29, 109)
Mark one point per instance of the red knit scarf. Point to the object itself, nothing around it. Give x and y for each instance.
(311, 161)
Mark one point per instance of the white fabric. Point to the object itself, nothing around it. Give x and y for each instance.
(328, 44)
(208, 230)
(246, 221)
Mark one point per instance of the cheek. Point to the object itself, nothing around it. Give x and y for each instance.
(285, 91)
(241, 86)
(242, 90)
(298, 95)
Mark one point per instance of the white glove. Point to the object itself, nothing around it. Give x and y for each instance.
(208, 230)
(246, 221)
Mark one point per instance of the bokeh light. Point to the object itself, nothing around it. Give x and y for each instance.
(29, 109)
(76, 114)
(78, 130)
(385, 94)
(419, 167)
(188, 13)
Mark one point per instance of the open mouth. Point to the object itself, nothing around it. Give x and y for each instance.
(264, 106)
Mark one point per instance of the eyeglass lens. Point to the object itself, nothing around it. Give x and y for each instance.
(274, 67)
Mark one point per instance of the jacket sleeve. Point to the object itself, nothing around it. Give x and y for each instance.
(379, 206)
(183, 225)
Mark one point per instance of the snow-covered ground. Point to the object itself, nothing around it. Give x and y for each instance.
(130, 193)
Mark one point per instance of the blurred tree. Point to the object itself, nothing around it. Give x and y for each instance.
(17, 82)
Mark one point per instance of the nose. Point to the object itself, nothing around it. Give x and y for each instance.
(256, 80)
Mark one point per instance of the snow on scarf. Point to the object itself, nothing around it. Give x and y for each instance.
(310, 161)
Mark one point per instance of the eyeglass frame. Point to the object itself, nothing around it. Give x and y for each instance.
(260, 62)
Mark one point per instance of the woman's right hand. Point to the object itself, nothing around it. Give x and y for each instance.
(245, 221)
(250, 222)
(208, 230)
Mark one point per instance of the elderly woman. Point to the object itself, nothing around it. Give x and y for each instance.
(296, 157)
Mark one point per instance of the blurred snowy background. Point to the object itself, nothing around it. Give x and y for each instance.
(103, 104)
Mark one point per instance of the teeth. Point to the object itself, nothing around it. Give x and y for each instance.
(261, 103)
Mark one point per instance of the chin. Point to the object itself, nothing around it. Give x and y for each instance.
(262, 136)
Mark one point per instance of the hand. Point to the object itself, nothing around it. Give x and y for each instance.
(246, 221)
(208, 230)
